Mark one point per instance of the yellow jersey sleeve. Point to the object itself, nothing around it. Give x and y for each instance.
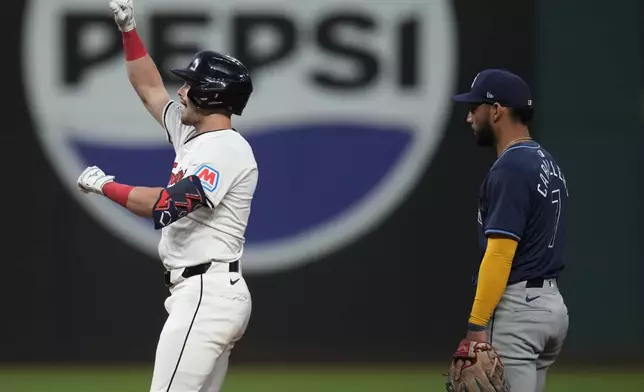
(492, 279)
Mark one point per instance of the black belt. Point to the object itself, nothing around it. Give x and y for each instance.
(537, 282)
(532, 283)
(198, 270)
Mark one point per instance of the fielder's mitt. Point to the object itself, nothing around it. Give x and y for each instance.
(476, 367)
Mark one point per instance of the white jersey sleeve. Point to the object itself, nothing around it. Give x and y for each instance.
(176, 132)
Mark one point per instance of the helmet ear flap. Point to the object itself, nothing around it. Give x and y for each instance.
(202, 96)
(210, 97)
(193, 96)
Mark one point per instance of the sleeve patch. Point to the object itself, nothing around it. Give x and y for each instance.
(209, 177)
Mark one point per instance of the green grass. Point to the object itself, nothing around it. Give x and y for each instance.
(285, 379)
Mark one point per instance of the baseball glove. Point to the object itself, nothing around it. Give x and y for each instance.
(476, 367)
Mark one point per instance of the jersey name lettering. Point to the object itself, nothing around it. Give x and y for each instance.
(548, 169)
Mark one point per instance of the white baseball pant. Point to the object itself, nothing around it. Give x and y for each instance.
(207, 314)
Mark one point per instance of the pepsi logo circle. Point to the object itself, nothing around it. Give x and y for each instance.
(349, 106)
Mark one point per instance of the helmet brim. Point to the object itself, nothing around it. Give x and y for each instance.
(187, 75)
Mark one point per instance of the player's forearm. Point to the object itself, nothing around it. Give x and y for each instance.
(492, 280)
(141, 70)
(139, 200)
(142, 200)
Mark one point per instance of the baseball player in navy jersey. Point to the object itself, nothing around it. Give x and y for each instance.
(518, 308)
(202, 212)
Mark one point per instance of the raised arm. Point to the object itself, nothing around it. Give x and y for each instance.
(141, 70)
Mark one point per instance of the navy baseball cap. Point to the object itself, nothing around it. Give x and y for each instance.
(498, 85)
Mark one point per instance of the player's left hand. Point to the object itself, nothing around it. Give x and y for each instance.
(476, 367)
(93, 179)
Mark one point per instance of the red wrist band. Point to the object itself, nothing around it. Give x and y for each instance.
(118, 193)
(133, 46)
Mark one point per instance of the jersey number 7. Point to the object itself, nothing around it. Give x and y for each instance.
(556, 199)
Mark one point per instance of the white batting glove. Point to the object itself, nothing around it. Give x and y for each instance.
(123, 11)
(92, 180)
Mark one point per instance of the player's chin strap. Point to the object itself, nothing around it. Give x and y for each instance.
(179, 200)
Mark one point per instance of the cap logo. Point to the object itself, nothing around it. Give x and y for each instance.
(489, 95)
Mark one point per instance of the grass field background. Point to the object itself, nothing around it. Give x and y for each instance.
(292, 379)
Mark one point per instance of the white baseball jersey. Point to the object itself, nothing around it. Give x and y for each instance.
(225, 163)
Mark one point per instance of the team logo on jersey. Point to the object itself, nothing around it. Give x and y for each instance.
(176, 175)
(209, 177)
(349, 106)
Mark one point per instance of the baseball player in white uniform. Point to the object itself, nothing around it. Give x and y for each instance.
(202, 212)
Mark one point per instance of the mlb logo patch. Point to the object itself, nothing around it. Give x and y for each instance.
(209, 177)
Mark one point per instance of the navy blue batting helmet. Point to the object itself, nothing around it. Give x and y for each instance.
(217, 81)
